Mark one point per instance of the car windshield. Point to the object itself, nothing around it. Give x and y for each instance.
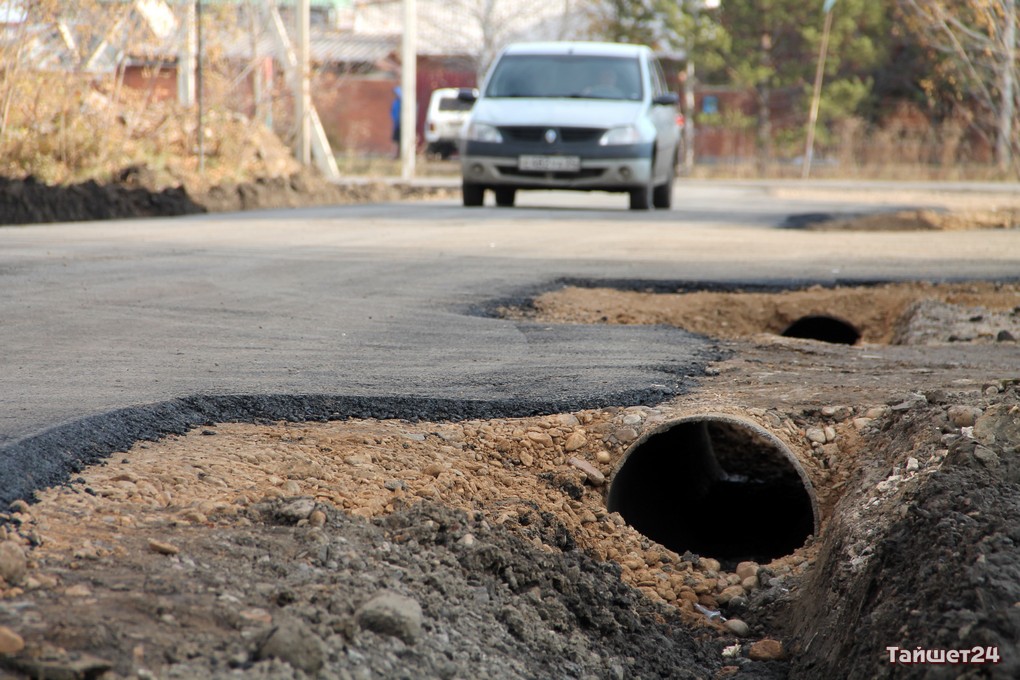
(566, 75)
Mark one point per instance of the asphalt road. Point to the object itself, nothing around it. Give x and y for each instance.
(116, 331)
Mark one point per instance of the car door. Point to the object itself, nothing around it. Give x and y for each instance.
(664, 119)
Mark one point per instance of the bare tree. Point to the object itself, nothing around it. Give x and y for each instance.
(979, 37)
(481, 28)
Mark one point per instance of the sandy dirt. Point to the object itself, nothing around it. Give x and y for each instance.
(243, 550)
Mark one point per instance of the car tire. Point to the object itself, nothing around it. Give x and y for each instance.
(641, 198)
(473, 194)
(662, 196)
(505, 197)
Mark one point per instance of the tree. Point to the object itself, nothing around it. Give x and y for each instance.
(670, 26)
(659, 24)
(975, 46)
(774, 47)
(481, 28)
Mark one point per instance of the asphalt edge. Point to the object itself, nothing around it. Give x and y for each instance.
(53, 456)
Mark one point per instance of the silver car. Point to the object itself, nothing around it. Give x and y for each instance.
(572, 115)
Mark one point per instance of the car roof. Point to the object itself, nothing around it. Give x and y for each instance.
(604, 49)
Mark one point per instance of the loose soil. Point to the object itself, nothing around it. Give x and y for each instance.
(392, 548)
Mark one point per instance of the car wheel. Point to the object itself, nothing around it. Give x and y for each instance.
(473, 194)
(505, 197)
(662, 196)
(641, 198)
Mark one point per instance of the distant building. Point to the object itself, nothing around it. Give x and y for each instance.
(355, 50)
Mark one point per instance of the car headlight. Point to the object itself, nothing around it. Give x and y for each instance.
(627, 134)
(483, 132)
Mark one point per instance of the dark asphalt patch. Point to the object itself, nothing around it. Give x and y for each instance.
(52, 457)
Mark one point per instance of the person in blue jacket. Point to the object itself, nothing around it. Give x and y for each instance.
(395, 116)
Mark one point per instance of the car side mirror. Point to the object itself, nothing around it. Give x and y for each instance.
(667, 99)
(467, 94)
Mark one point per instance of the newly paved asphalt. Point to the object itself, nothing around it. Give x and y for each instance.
(115, 331)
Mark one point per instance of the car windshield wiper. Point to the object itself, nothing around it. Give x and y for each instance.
(616, 98)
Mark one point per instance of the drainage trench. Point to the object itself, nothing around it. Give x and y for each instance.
(718, 486)
(824, 329)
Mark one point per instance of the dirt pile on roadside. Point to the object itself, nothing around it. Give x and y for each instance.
(27, 201)
(128, 156)
(135, 193)
(915, 220)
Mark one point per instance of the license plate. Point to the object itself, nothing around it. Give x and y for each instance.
(550, 163)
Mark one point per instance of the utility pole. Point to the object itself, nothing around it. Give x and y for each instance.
(1004, 140)
(186, 57)
(408, 90)
(199, 65)
(303, 97)
(689, 115)
(809, 145)
(690, 79)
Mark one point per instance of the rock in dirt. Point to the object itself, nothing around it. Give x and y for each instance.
(591, 473)
(766, 650)
(163, 548)
(390, 613)
(10, 642)
(738, 627)
(815, 434)
(287, 511)
(12, 562)
(54, 663)
(294, 642)
(575, 441)
(963, 416)
(747, 570)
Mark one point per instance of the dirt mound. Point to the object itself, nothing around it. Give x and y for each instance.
(308, 188)
(91, 153)
(899, 313)
(28, 201)
(135, 193)
(911, 220)
(922, 555)
(423, 592)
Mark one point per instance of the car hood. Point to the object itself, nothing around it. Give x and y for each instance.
(599, 113)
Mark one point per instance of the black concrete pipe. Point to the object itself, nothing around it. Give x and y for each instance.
(824, 329)
(718, 486)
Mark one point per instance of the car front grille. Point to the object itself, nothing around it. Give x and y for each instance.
(536, 133)
(584, 173)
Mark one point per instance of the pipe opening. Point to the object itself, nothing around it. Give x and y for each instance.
(716, 486)
(824, 329)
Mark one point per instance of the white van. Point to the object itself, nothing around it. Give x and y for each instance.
(572, 115)
(443, 121)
